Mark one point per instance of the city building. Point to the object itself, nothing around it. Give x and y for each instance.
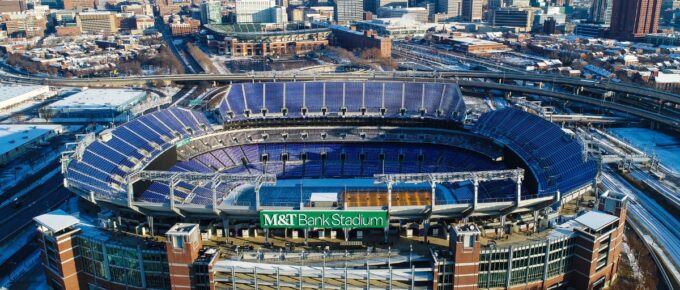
(95, 105)
(320, 13)
(549, 26)
(68, 29)
(144, 22)
(521, 19)
(633, 19)
(419, 14)
(476, 46)
(78, 5)
(16, 139)
(170, 7)
(13, 6)
(79, 256)
(394, 28)
(450, 9)
(590, 30)
(184, 26)
(374, 5)
(256, 11)
(348, 11)
(266, 40)
(669, 82)
(351, 39)
(659, 39)
(296, 14)
(211, 12)
(24, 24)
(99, 22)
(280, 15)
(472, 10)
(13, 96)
(601, 12)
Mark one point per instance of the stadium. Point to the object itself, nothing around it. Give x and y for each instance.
(412, 149)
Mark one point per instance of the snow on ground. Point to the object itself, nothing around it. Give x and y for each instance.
(31, 187)
(637, 273)
(665, 146)
(18, 275)
(34, 279)
(12, 246)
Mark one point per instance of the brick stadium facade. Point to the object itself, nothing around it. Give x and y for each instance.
(582, 253)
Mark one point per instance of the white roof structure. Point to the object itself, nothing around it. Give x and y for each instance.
(14, 136)
(12, 95)
(324, 197)
(596, 220)
(667, 78)
(182, 229)
(98, 99)
(57, 220)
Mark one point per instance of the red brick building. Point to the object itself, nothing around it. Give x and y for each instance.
(582, 253)
(633, 19)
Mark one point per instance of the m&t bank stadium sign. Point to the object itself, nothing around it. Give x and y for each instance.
(323, 219)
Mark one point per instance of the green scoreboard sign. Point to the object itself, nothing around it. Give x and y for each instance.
(322, 219)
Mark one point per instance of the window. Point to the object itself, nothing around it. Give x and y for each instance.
(177, 242)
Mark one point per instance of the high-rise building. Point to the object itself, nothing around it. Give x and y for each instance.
(347, 11)
(167, 7)
(101, 22)
(13, 5)
(78, 4)
(25, 24)
(493, 4)
(633, 19)
(211, 12)
(450, 8)
(374, 5)
(280, 15)
(601, 12)
(512, 17)
(255, 11)
(472, 10)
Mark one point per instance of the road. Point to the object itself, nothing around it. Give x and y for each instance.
(662, 226)
(38, 201)
(190, 66)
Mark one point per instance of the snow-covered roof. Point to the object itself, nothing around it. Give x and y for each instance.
(667, 78)
(14, 136)
(596, 220)
(10, 95)
(57, 220)
(99, 99)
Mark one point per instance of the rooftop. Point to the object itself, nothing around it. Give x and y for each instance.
(596, 220)
(9, 92)
(14, 136)
(182, 229)
(91, 99)
(56, 221)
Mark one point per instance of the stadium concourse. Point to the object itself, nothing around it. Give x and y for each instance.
(343, 184)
